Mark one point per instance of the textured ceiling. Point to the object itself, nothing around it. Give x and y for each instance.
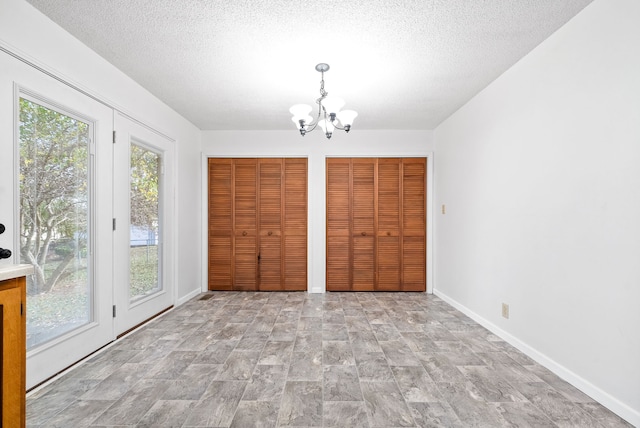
(240, 64)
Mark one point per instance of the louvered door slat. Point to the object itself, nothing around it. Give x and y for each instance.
(270, 263)
(245, 263)
(338, 263)
(295, 263)
(363, 263)
(338, 197)
(413, 272)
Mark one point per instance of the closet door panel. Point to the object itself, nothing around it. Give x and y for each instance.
(295, 225)
(220, 224)
(270, 224)
(364, 223)
(414, 222)
(245, 224)
(339, 238)
(389, 224)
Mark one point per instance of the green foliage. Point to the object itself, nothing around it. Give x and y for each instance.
(144, 270)
(54, 170)
(144, 182)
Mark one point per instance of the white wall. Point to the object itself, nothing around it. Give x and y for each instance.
(316, 148)
(31, 35)
(540, 174)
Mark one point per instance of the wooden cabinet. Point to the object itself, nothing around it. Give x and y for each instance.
(13, 353)
(258, 224)
(376, 224)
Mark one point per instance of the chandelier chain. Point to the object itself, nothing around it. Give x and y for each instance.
(322, 91)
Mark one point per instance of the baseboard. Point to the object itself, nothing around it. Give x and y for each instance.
(621, 409)
(184, 299)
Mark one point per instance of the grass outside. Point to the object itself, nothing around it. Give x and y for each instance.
(67, 305)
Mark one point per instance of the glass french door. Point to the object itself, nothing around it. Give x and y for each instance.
(143, 221)
(56, 196)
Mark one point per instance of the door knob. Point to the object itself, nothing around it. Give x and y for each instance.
(5, 254)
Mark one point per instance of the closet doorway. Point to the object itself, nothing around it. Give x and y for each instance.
(376, 224)
(257, 227)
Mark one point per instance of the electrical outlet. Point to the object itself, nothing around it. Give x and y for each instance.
(505, 311)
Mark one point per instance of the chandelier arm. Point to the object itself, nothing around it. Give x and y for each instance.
(315, 123)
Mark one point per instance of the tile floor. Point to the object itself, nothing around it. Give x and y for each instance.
(313, 360)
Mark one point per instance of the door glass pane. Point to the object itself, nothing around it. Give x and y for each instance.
(54, 220)
(144, 272)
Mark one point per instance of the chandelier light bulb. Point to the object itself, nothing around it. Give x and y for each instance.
(327, 126)
(346, 118)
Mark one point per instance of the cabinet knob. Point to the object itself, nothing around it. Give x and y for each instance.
(5, 254)
(270, 233)
(388, 233)
(244, 233)
(364, 233)
(2, 229)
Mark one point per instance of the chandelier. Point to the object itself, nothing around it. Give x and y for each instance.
(329, 115)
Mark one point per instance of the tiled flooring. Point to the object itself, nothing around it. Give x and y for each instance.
(309, 360)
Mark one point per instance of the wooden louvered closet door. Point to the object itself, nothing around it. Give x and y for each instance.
(339, 253)
(389, 254)
(221, 224)
(414, 219)
(363, 224)
(258, 224)
(376, 224)
(245, 211)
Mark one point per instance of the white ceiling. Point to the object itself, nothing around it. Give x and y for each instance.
(240, 64)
